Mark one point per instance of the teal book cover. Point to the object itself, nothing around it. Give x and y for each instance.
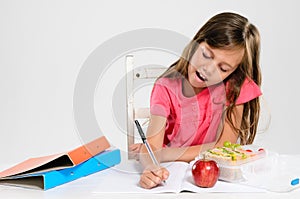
(50, 179)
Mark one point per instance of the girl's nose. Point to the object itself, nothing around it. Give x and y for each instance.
(209, 69)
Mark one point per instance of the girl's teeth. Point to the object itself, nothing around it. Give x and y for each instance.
(201, 76)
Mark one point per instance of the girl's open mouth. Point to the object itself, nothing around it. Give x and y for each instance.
(200, 76)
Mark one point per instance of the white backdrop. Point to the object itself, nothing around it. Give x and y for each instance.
(43, 45)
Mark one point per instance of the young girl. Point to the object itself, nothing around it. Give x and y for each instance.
(210, 95)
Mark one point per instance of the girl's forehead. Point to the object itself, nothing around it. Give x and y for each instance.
(229, 48)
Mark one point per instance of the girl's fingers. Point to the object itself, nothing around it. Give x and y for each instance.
(135, 147)
(162, 173)
(148, 180)
(135, 150)
(152, 178)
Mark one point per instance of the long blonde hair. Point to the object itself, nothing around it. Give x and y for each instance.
(227, 31)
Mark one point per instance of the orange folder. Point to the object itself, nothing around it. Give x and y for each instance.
(58, 161)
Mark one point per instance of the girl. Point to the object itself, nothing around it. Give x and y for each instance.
(210, 95)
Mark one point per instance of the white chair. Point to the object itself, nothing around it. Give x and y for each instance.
(138, 78)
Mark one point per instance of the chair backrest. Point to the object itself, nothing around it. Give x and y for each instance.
(137, 78)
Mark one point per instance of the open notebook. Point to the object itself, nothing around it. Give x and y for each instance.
(125, 180)
(275, 172)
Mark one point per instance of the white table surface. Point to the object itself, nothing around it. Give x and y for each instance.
(86, 188)
(70, 191)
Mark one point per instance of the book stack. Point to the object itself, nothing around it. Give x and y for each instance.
(50, 171)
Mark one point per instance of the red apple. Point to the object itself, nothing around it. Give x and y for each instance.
(205, 172)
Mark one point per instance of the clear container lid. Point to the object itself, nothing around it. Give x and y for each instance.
(278, 173)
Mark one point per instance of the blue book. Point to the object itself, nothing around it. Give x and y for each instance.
(49, 179)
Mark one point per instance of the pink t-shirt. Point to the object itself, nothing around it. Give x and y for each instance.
(193, 120)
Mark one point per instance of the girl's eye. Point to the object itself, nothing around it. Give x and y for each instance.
(223, 70)
(206, 56)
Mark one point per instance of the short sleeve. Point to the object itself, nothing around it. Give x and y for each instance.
(249, 91)
(160, 100)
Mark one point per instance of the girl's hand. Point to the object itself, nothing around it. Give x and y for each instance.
(153, 177)
(134, 149)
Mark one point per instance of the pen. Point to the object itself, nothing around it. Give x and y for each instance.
(141, 132)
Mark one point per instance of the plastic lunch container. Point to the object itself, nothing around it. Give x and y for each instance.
(233, 171)
(267, 170)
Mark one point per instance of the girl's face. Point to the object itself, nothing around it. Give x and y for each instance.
(210, 66)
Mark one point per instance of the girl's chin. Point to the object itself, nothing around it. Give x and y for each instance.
(197, 84)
